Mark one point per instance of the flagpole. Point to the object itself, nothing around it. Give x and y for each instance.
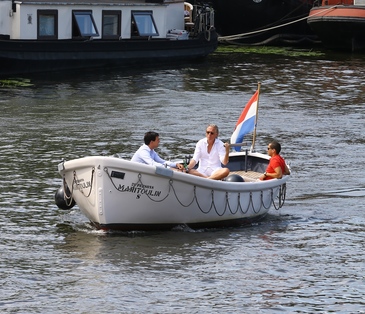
(256, 118)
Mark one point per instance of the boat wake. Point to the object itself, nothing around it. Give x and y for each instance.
(351, 192)
(354, 192)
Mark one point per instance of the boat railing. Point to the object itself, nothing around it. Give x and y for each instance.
(203, 17)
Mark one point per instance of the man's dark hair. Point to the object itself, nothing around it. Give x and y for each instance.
(150, 136)
(275, 145)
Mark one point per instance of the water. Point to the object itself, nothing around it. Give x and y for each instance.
(308, 257)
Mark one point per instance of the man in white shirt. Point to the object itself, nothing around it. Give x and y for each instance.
(211, 153)
(146, 153)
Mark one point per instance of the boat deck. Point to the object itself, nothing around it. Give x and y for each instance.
(248, 176)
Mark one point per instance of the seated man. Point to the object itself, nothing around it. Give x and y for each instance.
(211, 153)
(146, 153)
(277, 166)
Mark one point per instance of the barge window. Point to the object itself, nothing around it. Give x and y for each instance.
(47, 24)
(111, 24)
(83, 24)
(143, 24)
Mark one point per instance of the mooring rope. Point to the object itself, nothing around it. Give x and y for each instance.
(240, 36)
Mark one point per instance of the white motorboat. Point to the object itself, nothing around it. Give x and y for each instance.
(115, 193)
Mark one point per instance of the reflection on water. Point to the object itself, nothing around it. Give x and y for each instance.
(308, 257)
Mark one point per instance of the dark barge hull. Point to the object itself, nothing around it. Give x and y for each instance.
(243, 16)
(341, 28)
(31, 56)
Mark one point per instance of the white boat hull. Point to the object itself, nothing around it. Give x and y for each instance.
(114, 193)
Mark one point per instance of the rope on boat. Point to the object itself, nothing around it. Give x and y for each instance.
(207, 35)
(143, 189)
(271, 199)
(68, 198)
(75, 182)
(240, 36)
(281, 197)
(239, 207)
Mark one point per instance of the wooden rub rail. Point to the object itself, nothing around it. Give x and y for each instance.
(248, 176)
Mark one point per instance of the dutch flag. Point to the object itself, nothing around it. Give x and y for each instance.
(246, 122)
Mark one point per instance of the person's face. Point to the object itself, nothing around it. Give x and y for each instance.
(211, 133)
(155, 143)
(269, 150)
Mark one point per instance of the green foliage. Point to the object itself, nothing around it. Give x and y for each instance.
(15, 82)
(268, 50)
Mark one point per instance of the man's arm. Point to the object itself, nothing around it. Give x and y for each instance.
(287, 170)
(144, 156)
(225, 159)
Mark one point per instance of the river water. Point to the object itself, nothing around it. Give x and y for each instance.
(306, 258)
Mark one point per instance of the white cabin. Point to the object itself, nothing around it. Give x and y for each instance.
(94, 19)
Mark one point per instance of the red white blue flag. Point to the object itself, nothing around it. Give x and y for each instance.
(246, 122)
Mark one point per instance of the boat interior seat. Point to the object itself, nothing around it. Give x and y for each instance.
(248, 176)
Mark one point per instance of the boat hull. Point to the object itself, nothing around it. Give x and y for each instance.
(339, 27)
(114, 193)
(30, 56)
(248, 17)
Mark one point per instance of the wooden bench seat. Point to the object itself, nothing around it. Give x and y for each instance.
(249, 176)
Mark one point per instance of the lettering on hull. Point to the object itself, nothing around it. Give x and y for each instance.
(80, 184)
(139, 189)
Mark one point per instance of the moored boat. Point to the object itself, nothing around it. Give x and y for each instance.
(46, 35)
(263, 21)
(340, 24)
